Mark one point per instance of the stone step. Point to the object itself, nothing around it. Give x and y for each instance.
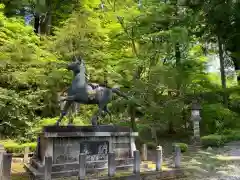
(32, 170)
(194, 148)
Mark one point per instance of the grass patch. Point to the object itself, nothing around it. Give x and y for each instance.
(20, 177)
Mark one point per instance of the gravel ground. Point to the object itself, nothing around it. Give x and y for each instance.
(214, 164)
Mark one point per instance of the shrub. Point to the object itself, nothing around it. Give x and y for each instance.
(216, 118)
(234, 103)
(139, 142)
(213, 140)
(15, 148)
(151, 145)
(32, 146)
(183, 146)
(232, 135)
(227, 132)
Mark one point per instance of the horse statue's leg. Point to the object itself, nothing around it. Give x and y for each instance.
(70, 114)
(97, 114)
(106, 110)
(64, 111)
(74, 109)
(102, 96)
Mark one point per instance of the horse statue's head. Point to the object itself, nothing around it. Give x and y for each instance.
(77, 65)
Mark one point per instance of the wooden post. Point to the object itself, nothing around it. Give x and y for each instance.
(82, 166)
(26, 152)
(111, 164)
(177, 159)
(144, 152)
(159, 158)
(6, 168)
(48, 168)
(136, 162)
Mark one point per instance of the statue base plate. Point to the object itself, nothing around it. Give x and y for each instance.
(65, 143)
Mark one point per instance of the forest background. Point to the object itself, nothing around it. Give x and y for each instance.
(163, 54)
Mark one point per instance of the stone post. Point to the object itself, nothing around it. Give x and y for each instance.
(159, 158)
(6, 168)
(144, 152)
(82, 166)
(177, 157)
(2, 152)
(136, 162)
(111, 164)
(48, 168)
(196, 118)
(38, 149)
(26, 152)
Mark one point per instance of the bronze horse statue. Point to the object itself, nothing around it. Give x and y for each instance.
(83, 93)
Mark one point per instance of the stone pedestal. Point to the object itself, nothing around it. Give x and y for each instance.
(196, 130)
(65, 143)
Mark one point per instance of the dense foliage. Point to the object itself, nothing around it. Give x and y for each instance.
(158, 52)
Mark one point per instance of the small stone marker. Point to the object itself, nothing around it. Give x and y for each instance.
(48, 168)
(136, 162)
(177, 159)
(159, 158)
(111, 164)
(6, 168)
(26, 152)
(82, 166)
(144, 152)
(209, 149)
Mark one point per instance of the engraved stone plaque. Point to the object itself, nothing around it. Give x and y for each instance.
(97, 153)
(66, 150)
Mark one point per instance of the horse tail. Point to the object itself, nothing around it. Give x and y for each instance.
(119, 93)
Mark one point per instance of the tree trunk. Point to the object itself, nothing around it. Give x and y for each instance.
(36, 23)
(48, 21)
(178, 66)
(178, 84)
(170, 127)
(133, 118)
(43, 17)
(222, 70)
